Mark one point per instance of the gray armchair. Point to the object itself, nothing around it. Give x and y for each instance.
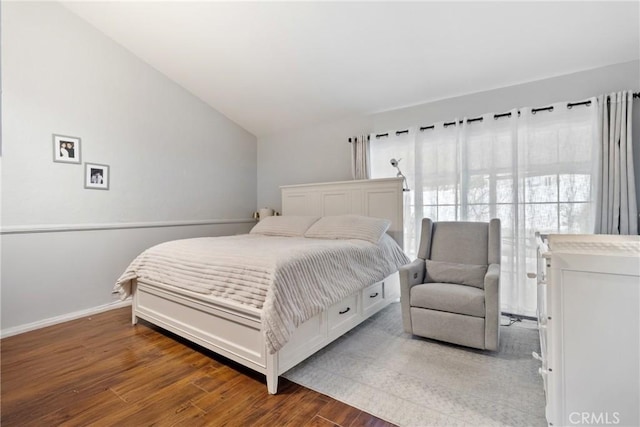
(451, 292)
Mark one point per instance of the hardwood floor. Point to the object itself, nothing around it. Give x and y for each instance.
(101, 370)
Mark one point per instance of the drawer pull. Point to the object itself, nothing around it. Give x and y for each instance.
(374, 295)
(344, 311)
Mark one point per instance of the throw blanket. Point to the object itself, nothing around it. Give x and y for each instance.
(291, 279)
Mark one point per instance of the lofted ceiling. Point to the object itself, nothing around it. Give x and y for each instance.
(273, 66)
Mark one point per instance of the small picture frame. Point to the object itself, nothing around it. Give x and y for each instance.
(66, 149)
(96, 176)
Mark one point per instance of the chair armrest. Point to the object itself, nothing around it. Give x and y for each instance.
(410, 274)
(492, 306)
(492, 278)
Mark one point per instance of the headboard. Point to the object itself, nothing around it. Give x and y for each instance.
(380, 198)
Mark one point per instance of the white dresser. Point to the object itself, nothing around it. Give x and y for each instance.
(589, 322)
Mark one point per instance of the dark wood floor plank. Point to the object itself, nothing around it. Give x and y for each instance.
(309, 406)
(101, 370)
(318, 421)
(288, 408)
(150, 378)
(84, 410)
(231, 399)
(164, 407)
(339, 413)
(367, 420)
(70, 374)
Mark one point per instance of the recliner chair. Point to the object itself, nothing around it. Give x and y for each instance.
(451, 292)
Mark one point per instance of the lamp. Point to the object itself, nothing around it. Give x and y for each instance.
(394, 163)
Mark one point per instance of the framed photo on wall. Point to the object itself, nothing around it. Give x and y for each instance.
(96, 176)
(66, 149)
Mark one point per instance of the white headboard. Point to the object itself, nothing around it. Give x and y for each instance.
(380, 198)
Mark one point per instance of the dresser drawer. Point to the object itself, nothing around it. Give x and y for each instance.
(343, 313)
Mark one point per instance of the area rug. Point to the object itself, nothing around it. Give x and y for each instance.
(410, 381)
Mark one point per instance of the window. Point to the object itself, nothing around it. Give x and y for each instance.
(533, 170)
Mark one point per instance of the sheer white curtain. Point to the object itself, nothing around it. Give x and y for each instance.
(437, 194)
(535, 171)
(557, 186)
(399, 146)
(617, 212)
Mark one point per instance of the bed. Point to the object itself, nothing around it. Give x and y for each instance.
(273, 317)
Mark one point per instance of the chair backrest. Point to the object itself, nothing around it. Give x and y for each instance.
(461, 242)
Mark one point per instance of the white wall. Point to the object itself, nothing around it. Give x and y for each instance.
(321, 153)
(172, 157)
(51, 274)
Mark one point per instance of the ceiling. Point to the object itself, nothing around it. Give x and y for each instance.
(273, 66)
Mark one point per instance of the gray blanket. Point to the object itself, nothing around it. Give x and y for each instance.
(291, 279)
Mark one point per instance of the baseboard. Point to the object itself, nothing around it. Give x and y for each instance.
(4, 333)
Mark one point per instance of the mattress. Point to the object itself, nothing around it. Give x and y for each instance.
(290, 279)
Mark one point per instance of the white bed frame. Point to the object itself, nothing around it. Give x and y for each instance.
(234, 330)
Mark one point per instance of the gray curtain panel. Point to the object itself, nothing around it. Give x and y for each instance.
(617, 211)
(360, 165)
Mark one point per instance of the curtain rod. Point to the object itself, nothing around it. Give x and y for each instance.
(496, 116)
(354, 139)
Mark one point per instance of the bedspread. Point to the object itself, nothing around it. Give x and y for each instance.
(291, 279)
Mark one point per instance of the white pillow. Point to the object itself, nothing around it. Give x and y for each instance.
(349, 227)
(288, 225)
